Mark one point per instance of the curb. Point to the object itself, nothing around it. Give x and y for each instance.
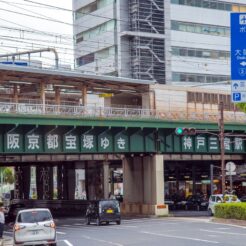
(229, 221)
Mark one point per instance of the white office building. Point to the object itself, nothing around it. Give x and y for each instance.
(170, 41)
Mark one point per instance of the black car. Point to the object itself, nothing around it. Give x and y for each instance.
(243, 199)
(197, 202)
(103, 211)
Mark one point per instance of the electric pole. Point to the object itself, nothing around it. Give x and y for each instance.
(222, 147)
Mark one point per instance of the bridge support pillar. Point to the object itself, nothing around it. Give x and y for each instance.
(44, 182)
(106, 179)
(144, 186)
(62, 182)
(22, 182)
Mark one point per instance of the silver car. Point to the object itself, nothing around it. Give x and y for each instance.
(34, 227)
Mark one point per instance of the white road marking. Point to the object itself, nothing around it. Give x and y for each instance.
(225, 232)
(8, 232)
(102, 241)
(179, 237)
(223, 228)
(62, 233)
(78, 224)
(230, 225)
(128, 226)
(67, 242)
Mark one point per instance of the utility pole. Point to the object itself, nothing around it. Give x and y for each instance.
(222, 147)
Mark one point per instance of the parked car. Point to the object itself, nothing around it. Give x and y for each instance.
(103, 211)
(219, 198)
(34, 227)
(243, 199)
(13, 210)
(197, 202)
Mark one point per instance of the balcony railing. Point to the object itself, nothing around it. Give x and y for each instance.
(112, 112)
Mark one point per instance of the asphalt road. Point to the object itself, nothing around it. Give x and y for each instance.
(149, 232)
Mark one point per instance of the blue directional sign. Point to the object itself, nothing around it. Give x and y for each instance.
(238, 46)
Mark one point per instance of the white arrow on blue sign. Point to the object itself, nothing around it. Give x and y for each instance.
(238, 86)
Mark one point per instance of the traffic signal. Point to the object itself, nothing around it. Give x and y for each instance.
(181, 131)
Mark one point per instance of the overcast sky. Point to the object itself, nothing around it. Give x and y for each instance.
(25, 25)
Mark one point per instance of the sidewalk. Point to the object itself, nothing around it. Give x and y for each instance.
(229, 221)
(6, 241)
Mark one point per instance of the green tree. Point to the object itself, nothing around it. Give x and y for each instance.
(8, 175)
(242, 106)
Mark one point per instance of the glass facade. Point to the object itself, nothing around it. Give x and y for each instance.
(212, 4)
(99, 55)
(201, 53)
(202, 78)
(91, 8)
(96, 31)
(200, 28)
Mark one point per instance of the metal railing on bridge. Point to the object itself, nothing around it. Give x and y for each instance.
(113, 112)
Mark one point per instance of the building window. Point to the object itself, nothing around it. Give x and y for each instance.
(96, 31)
(83, 60)
(212, 4)
(99, 55)
(200, 28)
(200, 78)
(91, 8)
(201, 53)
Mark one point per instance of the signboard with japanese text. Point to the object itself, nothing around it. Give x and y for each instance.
(238, 57)
(238, 46)
(187, 144)
(238, 145)
(105, 142)
(71, 143)
(201, 144)
(33, 143)
(88, 142)
(53, 143)
(121, 143)
(13, 142)
(213, 144)
(82, 140)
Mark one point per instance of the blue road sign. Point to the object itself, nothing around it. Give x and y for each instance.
(238, 46)
(236, 97)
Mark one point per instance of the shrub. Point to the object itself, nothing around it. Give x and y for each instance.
(231, 211)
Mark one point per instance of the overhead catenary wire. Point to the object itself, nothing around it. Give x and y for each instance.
(90, 41)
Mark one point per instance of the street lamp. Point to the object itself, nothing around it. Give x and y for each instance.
(222, 147)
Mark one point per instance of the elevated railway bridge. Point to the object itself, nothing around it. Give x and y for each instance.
(65, 154)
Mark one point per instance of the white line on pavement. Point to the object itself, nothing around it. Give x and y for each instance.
(178, 237)
(225, 232)
(67, 242)
(62, 233)
(223, 228)
(102, 241)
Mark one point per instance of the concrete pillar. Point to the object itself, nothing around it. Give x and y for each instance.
(84, 95)
(62, 182)
(18, 191)
(26, 179)
(106, 179)
(133, 180)
(71, 183)
(42, 94)
(39, 183)
(15, 95)
(57, 96)
(144, 185)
